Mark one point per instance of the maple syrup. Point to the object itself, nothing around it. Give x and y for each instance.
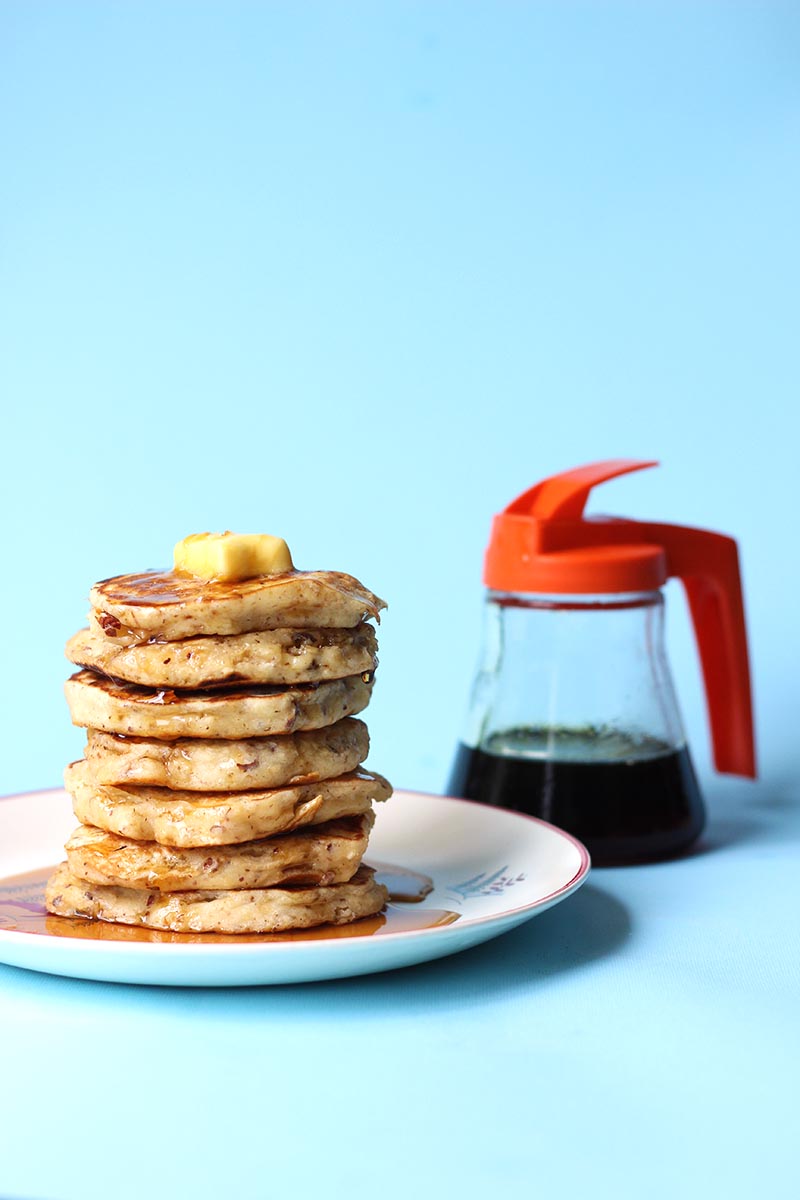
(22, 909)
(641, 804)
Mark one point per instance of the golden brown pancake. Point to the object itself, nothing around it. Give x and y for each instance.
(276, 656)
(228, 765)
(180, 818)
(169, 606)
(256, 711)
(252, 910)
(316, 856)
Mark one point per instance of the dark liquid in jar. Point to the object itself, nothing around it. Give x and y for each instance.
(643, 803)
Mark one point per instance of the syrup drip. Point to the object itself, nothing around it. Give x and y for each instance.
(22, 910)
(405, 887)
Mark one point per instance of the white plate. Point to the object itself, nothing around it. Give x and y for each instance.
(491, 868)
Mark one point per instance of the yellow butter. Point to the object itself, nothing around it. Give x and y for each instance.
(232, 556)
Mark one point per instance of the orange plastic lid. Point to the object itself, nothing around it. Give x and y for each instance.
(542, 542)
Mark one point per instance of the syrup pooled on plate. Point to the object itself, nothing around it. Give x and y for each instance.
(22, 910)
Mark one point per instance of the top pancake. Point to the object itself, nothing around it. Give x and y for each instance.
(167, 606)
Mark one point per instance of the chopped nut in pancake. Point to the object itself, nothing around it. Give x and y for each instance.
(181, 818)
(256, 711)
(226, 764)
(318, 856)
(254, 910)
(170, 606)
(274, 656)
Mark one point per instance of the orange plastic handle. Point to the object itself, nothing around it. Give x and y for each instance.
(708, 566)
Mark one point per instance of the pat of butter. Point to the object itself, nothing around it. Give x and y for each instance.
(232, 556)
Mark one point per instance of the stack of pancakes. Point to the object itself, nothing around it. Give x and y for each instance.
(221, 789)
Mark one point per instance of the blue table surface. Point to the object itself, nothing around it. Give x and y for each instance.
(638, 1039)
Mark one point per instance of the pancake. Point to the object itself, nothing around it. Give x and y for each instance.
(318, 856)
(258, 711)
(182, 818)
(254, 910)
(274, 656)
(169, 606)
(227, 765)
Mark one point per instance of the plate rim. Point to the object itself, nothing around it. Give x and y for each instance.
(254, 949)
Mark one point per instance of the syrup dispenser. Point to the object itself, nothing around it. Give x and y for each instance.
(573, 716)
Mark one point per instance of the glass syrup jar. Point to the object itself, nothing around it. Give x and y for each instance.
(573, 716)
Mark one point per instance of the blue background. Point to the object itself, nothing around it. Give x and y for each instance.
(357, 274)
